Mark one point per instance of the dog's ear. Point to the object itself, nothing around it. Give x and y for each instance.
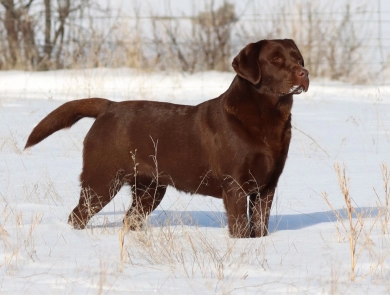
(246, 63)
(295, 45)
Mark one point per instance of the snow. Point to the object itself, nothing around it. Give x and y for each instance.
(185, 248)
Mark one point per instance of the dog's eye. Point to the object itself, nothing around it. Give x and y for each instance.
(300, 62)
(277, 58)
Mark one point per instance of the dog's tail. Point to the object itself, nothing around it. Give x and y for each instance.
(65, 116)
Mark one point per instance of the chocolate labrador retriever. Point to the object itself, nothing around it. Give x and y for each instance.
(232, 147)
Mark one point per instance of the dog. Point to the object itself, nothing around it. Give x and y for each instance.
(233, 147)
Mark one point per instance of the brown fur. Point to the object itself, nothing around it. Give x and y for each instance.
(231, 147)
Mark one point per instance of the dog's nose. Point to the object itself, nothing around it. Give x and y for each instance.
(302, 73)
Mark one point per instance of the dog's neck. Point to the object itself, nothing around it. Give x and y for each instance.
(244, 97)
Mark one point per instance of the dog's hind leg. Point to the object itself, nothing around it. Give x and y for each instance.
(145, 200)
(97, 191)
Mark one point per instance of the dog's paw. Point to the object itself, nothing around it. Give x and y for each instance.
(75, 222)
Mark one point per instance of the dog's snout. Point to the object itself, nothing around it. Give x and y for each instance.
(302, 73)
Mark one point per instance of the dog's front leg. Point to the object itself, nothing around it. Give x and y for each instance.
(259, 212)
(236, 210)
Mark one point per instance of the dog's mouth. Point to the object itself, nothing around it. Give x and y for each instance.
(296, 89)
(299, 88)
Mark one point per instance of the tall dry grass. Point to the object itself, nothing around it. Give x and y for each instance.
(383, 205)
(357, 224)
(332, 37)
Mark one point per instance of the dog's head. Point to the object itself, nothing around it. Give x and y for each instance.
(273, 66)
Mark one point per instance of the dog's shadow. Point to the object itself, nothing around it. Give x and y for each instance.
(303, 220)
(217, 219)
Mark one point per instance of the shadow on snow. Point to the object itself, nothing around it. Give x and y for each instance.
(216, 219)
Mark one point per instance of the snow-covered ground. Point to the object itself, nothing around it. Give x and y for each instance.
(185, 248)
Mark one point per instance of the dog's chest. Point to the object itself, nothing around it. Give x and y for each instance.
(269, 128)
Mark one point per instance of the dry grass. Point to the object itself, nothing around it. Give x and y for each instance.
(42, 191)
(94, 36)
(11, 143)
(336, 49)
(181, 245)
(383, 206)
(355, 226)
(20, 241)
(189, 249)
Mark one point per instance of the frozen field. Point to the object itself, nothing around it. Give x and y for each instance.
(185, 248)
